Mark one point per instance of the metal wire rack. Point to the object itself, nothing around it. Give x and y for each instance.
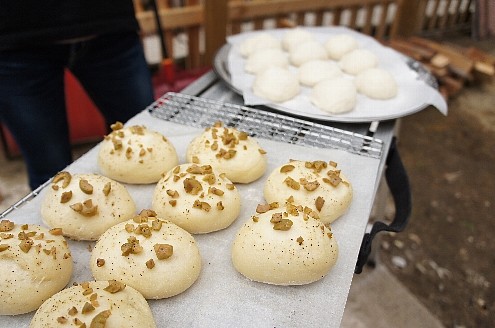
(200, 113)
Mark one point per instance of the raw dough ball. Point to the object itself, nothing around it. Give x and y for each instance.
(136, 155)
(156, 257)
(104, 302)
(228, 151)
(294, 37)
(312, 72)
(35, 263)
(262, 59)
(276, 84)
(318, 185)
(85, 205)
(376, 83)
(284, 246)
(357, 61)
(334, 96)
(258, 42)
(339, 45)
(197, 198)
(309, 50)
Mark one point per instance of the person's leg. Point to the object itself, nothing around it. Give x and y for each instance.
(114, 73)
(32, 106)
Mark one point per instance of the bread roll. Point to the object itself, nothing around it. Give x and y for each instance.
(339, 45)
(276, 84)
(228, 151)
(307, 51)
(318, 185)
(314, 71)
(284, 246)
(85, 205)
(135, 155)
(35, 263)
(95, 304)
(376, 83)
(334, 96)
(257, 42)
(358, 60)
(156, 257)
(197, 198)
(264, 58)
(294, 37)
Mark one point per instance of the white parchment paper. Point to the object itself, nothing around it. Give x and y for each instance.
(413, 95)
(222, 297)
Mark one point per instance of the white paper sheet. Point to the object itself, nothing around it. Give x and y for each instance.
(413, 95)
(222, 297)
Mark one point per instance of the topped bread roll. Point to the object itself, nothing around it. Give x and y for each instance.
(228, 151)
(35, 263)
(135, 155)
(85, 205)
(197, 198)
(318, 185)
(284, 246)
(95, 304)
(154, 256)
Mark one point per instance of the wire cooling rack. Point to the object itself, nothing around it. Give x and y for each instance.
(200, 113)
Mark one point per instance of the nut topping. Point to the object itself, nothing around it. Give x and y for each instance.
(319, 203)
(63, 176)
(100, 319)
(114, 286)
(192, 186)
(85, 186)
(66, 196)
(6, 225)
(283, 225)
(107, 188)
(286, 168)
(163, 251)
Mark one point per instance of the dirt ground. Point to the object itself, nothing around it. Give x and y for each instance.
(446, 255)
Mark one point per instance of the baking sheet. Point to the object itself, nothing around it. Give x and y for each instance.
(222, 297)
(414, 93)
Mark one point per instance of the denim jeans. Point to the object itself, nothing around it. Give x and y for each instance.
(111, 68)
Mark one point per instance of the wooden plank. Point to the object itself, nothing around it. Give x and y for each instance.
(193, 60)
(369, 15)
(434, 15)
(382, 26)
(171, 18)
(418, 52)
(215, 25)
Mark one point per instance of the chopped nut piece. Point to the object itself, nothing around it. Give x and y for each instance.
(210, 178)
(192, 186)
(114, 286)
(284, 225)
(86, 208)
(255, 218)
(319, 203)
(4, 247)
(195, 159)
(287, 168)
(100, 319)
(332, 163)
(230, 186)
(100, 263)
(292, 183)
(243, 135)
(300, 240)
(87, 308)
(117, 126)
(62, 320)
(73, 311)
(24, 227)
(148, 213)
(276, 218)
(156, 225)
(330, 235)
(311, 186)
(9, 235)
(107, 188)
(262, 208)
(78, 322)
(66, 196)
(150, 264)
(220, 206)
(333, 178)
(173, 193)
(55, 187)
(142, 152)
(6, 225)
(215, 191)
(56, 231)
(143, 229)
(85, 186)
(163, 251)
(262, 152)
(202, 205)
(172, 202)
(63, 176)
(26, 245)
(137, 129)
(129, 227)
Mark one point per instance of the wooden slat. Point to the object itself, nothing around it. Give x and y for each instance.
(171, 18)
(434, 14)
(354, 14)
(319, 17)
(369, 16)
(193, 59)
(446, 14)
(215, 27)
(337, 16)
(382, 26)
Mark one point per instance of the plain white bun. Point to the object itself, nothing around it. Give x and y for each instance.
(85, 205)
(264, 58)
(314, 71)
(304, 52)
(318, 185)
(294, 37)
(257, 42)
(284, 246)
(228, 151)
(107, 303)
(339, 45)
(136, 155)
(35, 263)
(197, 198)
(154, 256)
(276, 84)
(358, 60)
(376, 83)
(335, 96)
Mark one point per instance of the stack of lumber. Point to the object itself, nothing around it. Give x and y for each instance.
(454, 67)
